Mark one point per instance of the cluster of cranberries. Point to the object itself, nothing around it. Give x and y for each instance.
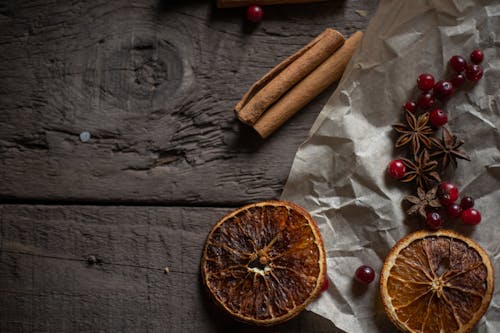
(430, 93)
(448, 196)
(443, 89)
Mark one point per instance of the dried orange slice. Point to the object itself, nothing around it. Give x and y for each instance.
(436, 281)
(265, 262)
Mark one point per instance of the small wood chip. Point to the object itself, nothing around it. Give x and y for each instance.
(362, 13)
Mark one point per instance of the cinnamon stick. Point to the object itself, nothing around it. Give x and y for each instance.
(280, 79)
(311, 86)
(245, 3)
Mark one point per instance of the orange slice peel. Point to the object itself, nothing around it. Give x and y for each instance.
(265, 262)
(436, 281)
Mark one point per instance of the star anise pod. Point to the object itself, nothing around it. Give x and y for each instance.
(422, 171)
(422, 201)
(415, 133)
(449, 149)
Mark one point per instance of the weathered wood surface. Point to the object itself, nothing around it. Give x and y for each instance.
(154, 82)
(91, 268)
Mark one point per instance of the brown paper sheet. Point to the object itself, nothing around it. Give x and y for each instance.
(339, 173)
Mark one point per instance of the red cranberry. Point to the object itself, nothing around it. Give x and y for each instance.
(458, 63)
(365, 274)
(476, 56)
(467, 202)
(425, 100)
(443, 89)
(410, 106)
(448, 193)
(255, 14)
(474, 73)
(457, 80)
(396, 169)
(438, 117)
(433, 220)
(325, 285)
(425, 82)
(454, 210)
(471, 216)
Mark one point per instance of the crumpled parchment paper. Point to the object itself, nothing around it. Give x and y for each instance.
(339, 173)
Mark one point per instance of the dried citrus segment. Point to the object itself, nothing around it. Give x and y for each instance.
(263, 263)
(436, 281)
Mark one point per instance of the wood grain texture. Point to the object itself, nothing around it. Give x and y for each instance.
(155, 83)
(91, 268)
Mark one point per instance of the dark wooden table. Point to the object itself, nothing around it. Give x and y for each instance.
(88, 229)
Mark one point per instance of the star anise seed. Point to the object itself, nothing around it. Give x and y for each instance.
(449, 149)
(422, 201)
(415, 133)
(422, 171)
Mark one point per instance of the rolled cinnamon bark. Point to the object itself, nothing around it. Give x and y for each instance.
(244, 3)
(281, 78)
(310, 87)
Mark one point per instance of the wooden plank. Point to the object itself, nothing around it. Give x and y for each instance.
(48, 283)
(155, 87)
(246, 3)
